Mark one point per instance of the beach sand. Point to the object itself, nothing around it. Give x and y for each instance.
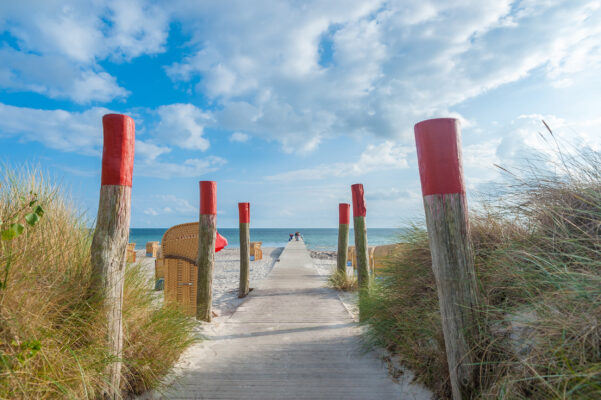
(226, 277)
(325, 263)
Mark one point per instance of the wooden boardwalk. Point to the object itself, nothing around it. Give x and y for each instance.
(291, 339)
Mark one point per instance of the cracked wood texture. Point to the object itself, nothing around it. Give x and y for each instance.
(108, 253)
(361, 252)
(244, 260)
(453, 266)
(207, 229)
(341, 257)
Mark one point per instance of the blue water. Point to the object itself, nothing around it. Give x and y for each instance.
(316, 239)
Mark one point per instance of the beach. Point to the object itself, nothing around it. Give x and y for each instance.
(325, 263)
(226, 276)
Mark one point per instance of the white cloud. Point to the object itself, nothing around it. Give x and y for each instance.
(299, 74)
(182, 125)
(239, 137)
(79, 132)
(56, 77)
(189, 168)
(168, 204)
(384, 156)
(527, 135)
(59, 45)
(392, 194)
(150, 151)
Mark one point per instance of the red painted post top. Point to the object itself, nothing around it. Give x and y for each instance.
(358, 200)
(244, 212)
(208, 197)
(118, 150)
(344, 213)
(438, 144)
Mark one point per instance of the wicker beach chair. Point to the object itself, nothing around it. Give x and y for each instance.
(131, 253)
(383, 255)
(179, 250)
(255, 251)
(379, 256)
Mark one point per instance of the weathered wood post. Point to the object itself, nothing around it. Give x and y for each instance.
(111, 236)
(207, 229)
(244, 216)
(439, 157)
(360, 236)
(344, 217)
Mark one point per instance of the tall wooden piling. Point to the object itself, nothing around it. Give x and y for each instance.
(344, 217)
(109, 244)
(244, 219)
(207, 229)
(360, 229)
(440, 167)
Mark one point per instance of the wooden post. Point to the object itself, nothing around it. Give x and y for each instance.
(207, 229)
(244, 216)
(344, 217)
(439, 157)
(109, 244)
(360, 236)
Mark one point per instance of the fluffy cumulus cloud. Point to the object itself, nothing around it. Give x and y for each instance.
(170, 204)
(182, 125)
(302, 72)
(81, 132)
(56, 46)
(78, 132)
(385, 156)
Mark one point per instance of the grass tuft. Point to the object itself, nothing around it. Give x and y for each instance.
(538, 264)
(340, 280)
(51, 331)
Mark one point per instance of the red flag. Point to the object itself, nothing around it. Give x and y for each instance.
(220, 242)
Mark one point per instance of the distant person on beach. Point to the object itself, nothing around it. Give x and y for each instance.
(291, 235)
(297, 236)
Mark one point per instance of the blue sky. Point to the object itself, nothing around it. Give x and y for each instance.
(287, 103)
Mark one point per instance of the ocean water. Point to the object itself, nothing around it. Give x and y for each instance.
(315, 238)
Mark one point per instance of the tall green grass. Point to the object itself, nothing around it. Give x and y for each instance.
(51, 331)
(538, 263)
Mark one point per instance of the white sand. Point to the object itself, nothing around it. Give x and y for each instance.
(226, 277)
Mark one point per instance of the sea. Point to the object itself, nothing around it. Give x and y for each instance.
(321, 239)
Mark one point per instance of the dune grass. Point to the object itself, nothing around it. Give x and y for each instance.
(51, 331)
(340, 280)
(538, 263)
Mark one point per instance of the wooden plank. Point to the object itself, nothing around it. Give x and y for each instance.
(109, 244)
(439, 157)
(207, 229)
(344, 214)
(244, 219)
(361, 251)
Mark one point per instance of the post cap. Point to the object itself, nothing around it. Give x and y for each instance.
(118, 150)
(438, 143)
